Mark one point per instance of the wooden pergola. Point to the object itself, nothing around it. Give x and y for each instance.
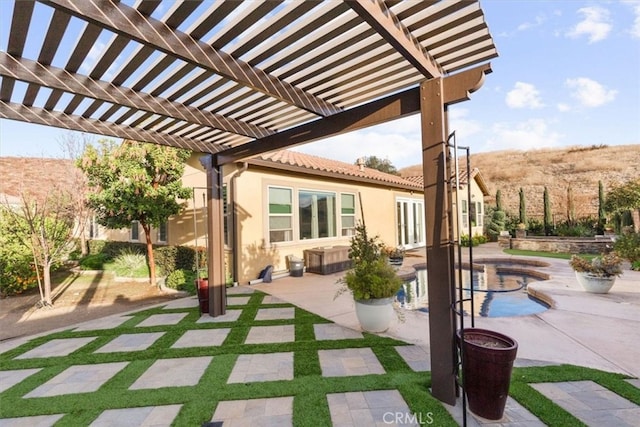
(236, 79)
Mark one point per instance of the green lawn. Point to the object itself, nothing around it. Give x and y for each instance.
(559, 255)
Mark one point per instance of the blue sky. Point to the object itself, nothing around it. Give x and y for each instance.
(568, 74)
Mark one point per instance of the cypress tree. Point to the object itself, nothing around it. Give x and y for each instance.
(571, 210)
(601, 213)
(547, 212)
(498, 200)
(523, 208)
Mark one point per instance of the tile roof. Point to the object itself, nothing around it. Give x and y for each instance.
(292, 160)
(464, 179)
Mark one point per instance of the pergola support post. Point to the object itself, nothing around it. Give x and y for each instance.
(215, 235)
(440, 249)
(435, 96)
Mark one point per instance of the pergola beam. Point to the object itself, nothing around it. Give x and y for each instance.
(56, 78)
(13, 111)
(383, 110)
(127, 21)
(376, 14)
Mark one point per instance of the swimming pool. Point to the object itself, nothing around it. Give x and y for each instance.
(499, 289)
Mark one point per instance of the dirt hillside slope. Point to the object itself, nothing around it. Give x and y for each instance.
(580, 167)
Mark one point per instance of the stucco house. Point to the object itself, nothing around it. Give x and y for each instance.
(283, 203)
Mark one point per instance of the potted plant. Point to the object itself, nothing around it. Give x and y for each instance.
(487, 362)
(372, 281)
(599, 274)
(394, 255)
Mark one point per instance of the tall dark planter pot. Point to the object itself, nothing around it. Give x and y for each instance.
(202, 285)
(487, 362)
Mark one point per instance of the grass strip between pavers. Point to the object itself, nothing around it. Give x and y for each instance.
(308, 388)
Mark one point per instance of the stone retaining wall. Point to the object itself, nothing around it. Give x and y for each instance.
(558, 244)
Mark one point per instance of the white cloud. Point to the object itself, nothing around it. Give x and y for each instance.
(589, 92)
(596, 24)
(539, 20)
(399, 141)
(524, 95)
(461, 124)
(528, 135)
(562, 107)
(635, 28)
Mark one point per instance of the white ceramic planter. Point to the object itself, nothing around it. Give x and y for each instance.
(595, 284)
(375, 315)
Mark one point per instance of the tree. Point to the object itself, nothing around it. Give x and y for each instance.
(45, 226)
(135, 182)
(383, 165)
(625, 198)
(571, 210)
(498, 200)
(602, 219)
(523, 208)
(548, 219)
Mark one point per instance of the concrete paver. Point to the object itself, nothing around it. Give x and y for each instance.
(270, 334)
(228, 316)
(150, 416)
(162, 319)
(183, 371)
(130, 342)
(10, 378)
(202, 338)
(58, 347)
(331, 331)
(372, 408)
(349, 361)
(262, 367)
(78, 379)
(275, 313)
(274, 412)
(591, 403)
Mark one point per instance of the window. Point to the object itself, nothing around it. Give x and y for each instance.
(94, 228)
(317, 214)
(280, 214)
(135, 231)
(162, 232)
(410, 222)
(348, 214)
(479, 214)
(465, 216)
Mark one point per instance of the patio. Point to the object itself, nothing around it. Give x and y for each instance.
(292, 358)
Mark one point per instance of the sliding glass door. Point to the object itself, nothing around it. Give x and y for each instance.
(410, 217)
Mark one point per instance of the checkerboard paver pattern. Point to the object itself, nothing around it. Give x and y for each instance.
(188, 360)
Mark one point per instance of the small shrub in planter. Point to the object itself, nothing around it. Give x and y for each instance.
(607, 265)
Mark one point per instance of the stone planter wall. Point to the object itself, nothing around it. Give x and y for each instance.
(561, 244)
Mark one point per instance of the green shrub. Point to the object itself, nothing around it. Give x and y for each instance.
(93, 262)
(628, 247)
(112, 249)
(129, 263)
(171, 258)
(182, 280)
(17, 272)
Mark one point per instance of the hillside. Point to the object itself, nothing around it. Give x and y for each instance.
(580, 167)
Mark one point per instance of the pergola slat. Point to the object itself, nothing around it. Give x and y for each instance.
(42, 75)
(122, 19)
(14, 111)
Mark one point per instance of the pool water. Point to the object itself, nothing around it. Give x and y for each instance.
(498, 292)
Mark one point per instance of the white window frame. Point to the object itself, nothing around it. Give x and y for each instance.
(134, 231)
(347, 231)
(290, 215)
(332, 223)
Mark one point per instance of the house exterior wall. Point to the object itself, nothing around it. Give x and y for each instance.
(467, 212)
(256, 250)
